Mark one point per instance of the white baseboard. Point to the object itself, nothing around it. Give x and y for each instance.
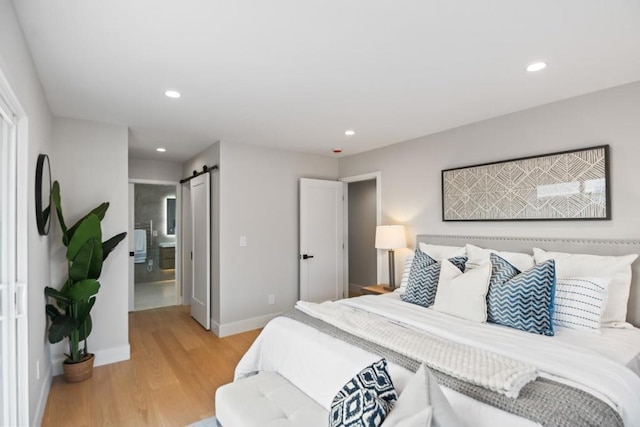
(42, 399)
(232, 328)
(215, 327)
(103, 357)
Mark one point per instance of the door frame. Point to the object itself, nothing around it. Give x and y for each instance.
(178, 268)
(19, 311)
(347, 180)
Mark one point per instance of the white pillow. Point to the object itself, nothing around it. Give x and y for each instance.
(422, 401)
(478, 256)
(405, 274)
(579, 302)
(616, 268)
(440, 252)
(463, 294)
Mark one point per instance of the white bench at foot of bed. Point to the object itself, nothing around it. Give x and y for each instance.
(267, 399)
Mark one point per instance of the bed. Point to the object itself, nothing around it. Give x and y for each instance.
(581, 377)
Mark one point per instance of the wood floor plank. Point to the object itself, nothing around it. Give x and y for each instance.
(171, 379)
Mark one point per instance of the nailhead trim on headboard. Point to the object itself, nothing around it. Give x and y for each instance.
(535, 239)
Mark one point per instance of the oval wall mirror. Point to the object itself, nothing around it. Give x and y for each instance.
(43, 194)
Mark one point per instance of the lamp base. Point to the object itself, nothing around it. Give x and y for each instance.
(392, 272)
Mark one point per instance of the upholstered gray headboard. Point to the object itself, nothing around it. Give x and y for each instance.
(584, 246)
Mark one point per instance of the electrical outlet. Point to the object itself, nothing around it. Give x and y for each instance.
(243, 241)
(155, 233)
(272, 299)
(37, 369)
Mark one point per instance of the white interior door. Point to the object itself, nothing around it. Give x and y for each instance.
(13, 345)
(321, 240)
(132, 266)
(201, 244)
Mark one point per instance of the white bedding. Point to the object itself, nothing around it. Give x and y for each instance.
(592, 363)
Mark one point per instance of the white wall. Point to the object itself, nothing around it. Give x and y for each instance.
(154, 170)
(259, 192)
(17, 67)
(89, 159)
(411, 190)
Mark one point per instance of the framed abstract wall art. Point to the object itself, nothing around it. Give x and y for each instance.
(568, 185)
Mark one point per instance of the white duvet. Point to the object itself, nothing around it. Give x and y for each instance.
(320, 365)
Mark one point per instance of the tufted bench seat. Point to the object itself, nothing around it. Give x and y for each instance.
(267, 400)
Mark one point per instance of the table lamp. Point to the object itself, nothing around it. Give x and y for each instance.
(391, 237)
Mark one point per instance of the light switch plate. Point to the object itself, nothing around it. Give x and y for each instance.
(243, 241)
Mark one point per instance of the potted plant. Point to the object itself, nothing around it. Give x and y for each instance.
(70, 316)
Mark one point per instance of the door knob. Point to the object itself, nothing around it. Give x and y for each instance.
(305, 256)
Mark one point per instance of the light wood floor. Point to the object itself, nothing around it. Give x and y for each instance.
(175, 368)
(154, 295)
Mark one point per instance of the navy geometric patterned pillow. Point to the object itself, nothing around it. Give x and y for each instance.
(501, 271)
(522, 300)
(365, 400)
(416, 279)
(422, 285)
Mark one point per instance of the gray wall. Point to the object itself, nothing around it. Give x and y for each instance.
(150, 205)
(362, 233)
(411, 191)
(17, 67)
(100, 175)
(259, 190)
(254, 194)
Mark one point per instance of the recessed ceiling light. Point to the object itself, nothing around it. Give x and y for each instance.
(161, 150)
(349, 132)
(172, 93)
(536, 66)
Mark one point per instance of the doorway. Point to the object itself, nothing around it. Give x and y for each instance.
(363, 262)
(154, 245)
(363, 268)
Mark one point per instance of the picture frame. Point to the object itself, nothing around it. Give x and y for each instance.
(565, 185)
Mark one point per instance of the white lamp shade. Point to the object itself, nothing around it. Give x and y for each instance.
(390, 237)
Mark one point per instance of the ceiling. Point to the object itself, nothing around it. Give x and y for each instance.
(296, 74)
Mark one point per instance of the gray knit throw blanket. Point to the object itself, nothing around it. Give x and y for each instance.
(544, 401)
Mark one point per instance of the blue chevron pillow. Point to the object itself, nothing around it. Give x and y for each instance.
(365, 400)
(423, 278)
(522, 300)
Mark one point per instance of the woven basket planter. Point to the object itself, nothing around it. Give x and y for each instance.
(76, 372)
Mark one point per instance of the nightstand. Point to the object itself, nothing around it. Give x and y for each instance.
(375, 290)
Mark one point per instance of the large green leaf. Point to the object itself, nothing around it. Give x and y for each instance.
(88, 262)
(111, 244)
(99, 211)
(89, 229)
(84, 309)
(52, 311)
(85, 328)
(56, 294)
(62, 326)
(84, 289)
(55, 196)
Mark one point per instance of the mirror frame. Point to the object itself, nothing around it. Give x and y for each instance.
(43, 214)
